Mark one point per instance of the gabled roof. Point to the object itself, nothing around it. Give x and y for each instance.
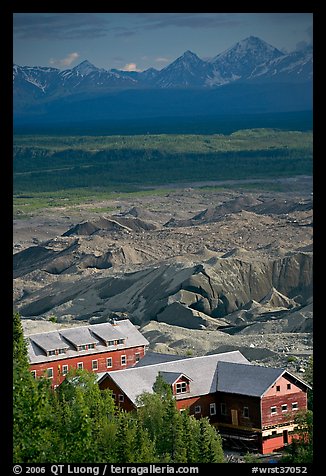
(107, 333)
(69, 339)
(151, 358)
(171, 377)
(78, 336)
(252, 380)
(201, 370)
(50, 341)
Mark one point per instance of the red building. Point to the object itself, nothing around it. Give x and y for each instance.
(250, 404)
(96, 348)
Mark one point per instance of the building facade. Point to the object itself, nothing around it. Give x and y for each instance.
(251, 405)
(96, 348)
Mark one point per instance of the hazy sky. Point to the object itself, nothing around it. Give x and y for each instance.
(137, 41)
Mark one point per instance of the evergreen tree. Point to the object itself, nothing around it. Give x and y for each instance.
(20, 357)
(301, 448)
(191, 432)
(210, 444)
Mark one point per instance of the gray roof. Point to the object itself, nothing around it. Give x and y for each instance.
(151, 358)
(201, 370)
(50, 341)
(79, 335)
(107, 333)
(171, 377)
(253, 380)
(82, 335)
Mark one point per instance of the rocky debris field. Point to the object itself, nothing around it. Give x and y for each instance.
(199, 270)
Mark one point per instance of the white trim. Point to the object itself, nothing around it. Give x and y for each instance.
(65, 369)
(47, 371)
(95, 361)
(125, 359)
(197, 409)
(107, 365)
(212, 408)
(80, 365)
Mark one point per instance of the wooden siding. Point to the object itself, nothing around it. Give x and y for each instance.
(87, 359)
(126, 405)
(203, 401)
(281, 417)
(237, 404)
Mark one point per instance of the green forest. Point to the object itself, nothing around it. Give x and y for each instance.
(51, 163)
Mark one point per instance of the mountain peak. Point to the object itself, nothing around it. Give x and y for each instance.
(85, 67)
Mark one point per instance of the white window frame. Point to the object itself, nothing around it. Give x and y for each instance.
(47, 372)
(33, 372)
(245, 412)
(95, 362)
(284, 410)
(107, 362)
(212, 408)
(181, 387)
(123, 357)
(197, 409)
(65, 369)
(80, 365)
(223, 409)
(137, 356)
(121, 398)
(273, 410)
(296, 407)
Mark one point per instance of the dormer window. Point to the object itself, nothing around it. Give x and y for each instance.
(51, 352)
(181, 387)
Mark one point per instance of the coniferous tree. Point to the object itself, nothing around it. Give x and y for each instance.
(210, 444)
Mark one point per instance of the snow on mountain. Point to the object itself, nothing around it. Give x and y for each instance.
(186, 71)
(295, 67)
(240, 60)
(251, 59)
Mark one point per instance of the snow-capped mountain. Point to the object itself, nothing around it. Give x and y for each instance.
(249, 59)
(239, 61)
(251, 68)
(186, 71)
(294, 67)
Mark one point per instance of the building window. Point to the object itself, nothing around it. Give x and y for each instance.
(274, 432)
(288, 386)
(212, 408)
(181, 387)
(273, 411)
(197, 409)
(109, 362)
(278, 388)
(49, 372)
(284, 408)
(113, 396)
(61, 351)
(121, 398)
(123, 360)
(94, 364)
(33, 372)
(120, 341)
(110, 342)
(245, 413)
(64, 369)
(91, 346)
(137, 356)
(223, 409)
(83, 347)
(80, 365)
(295, 406)
(51, 352)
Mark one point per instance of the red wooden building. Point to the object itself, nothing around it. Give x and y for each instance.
(249, 404)
(96, 348)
